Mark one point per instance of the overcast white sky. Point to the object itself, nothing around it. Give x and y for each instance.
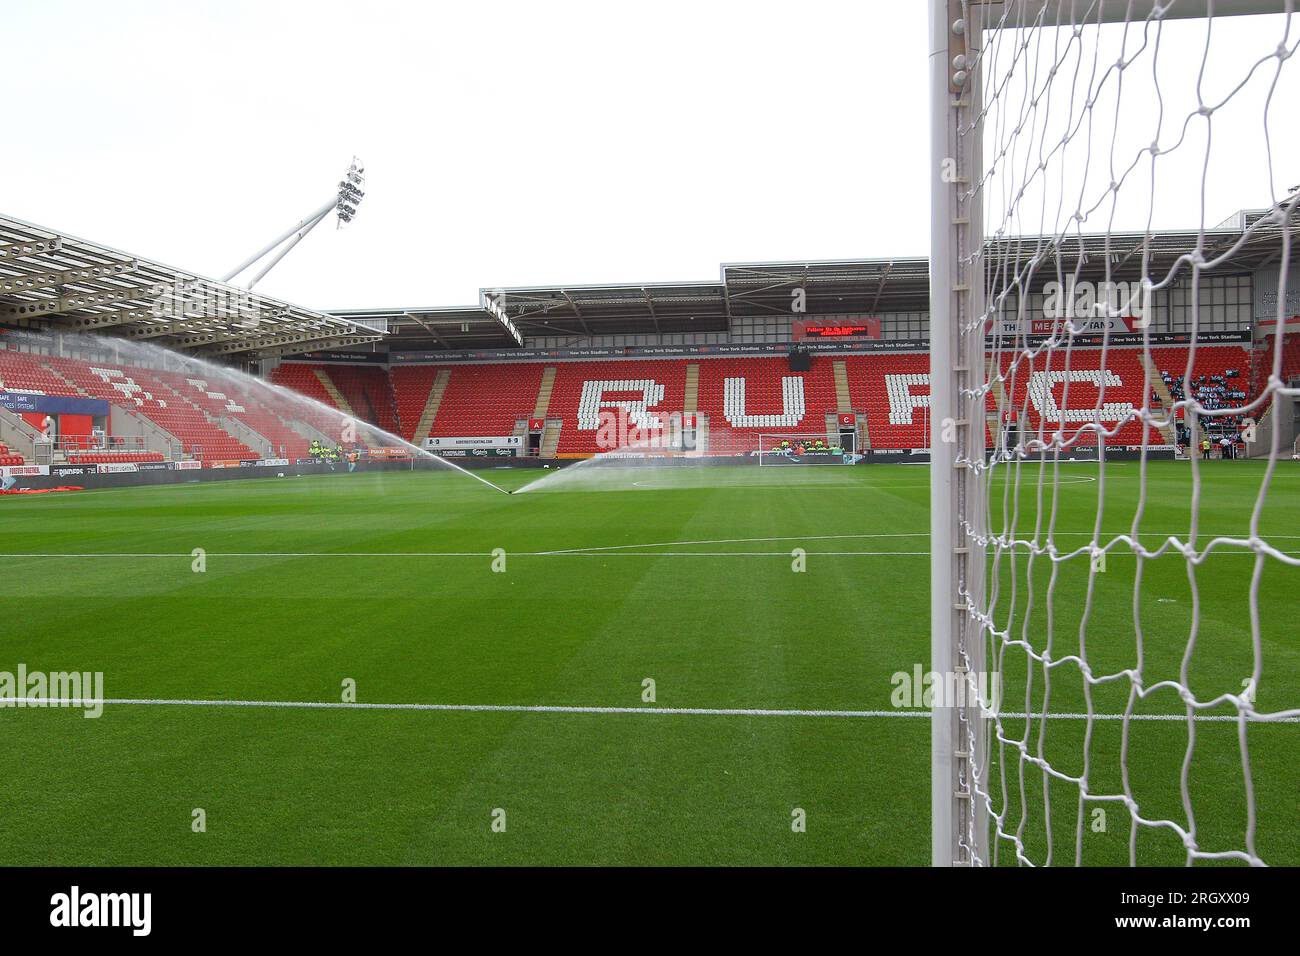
(505, 143)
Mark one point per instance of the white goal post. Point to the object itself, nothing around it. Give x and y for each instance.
(1037, 140)
(799, 448)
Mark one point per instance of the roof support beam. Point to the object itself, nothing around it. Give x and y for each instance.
(49, 280)
(428, 328)
(191, 339)
(576, 311)
(495, 304)
(30, 247)
(200, 324)
(545, 328)
(318, 340)
(650, 304)
(880, 288)
(79, 300)
(104, 320)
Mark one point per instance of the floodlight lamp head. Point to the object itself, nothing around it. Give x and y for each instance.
(350, 192)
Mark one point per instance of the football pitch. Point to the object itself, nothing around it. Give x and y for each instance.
(654, 666)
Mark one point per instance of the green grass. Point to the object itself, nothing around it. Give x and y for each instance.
(386, 579)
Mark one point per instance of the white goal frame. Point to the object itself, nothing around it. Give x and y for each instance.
(960, 824)
(765, 440)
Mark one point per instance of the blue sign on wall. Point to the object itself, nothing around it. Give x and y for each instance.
(52, 404)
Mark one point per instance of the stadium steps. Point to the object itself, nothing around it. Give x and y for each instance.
(544, 392)
(691, 401)
(309, 432)
(338, 398)
(425, 424)
(254, 439)
(1157, 383)
(218, 422)
(1262, 446)
(550, 438)
(129, 423)
(843, 403)
(832, 429)
(18, 434)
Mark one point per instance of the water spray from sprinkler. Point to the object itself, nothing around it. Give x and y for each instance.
(232, 383)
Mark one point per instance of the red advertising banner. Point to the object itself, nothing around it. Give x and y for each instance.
(848, 419)
(536, 424)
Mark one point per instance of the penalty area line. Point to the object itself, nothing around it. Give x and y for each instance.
(41, 703)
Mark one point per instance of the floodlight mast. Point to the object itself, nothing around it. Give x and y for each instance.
(343, 203)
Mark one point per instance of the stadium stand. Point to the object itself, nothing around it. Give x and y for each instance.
(143, 391)
(7, 457)
(243, 408)
(743, 397)
(368, 392)
(740, 397)
(364, 393)
(893, 391)
(487, 399)
(302, 378)
(626, 385)
(1262, 362)
(22, 372)
(412, 386)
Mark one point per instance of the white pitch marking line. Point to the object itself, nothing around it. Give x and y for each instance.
(784, 537)
(474, 554)
(40, 703)
(602, 552)
(615, 550)
(651, 485)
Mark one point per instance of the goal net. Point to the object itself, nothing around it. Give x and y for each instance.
(804, 448)
(1115, 368)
